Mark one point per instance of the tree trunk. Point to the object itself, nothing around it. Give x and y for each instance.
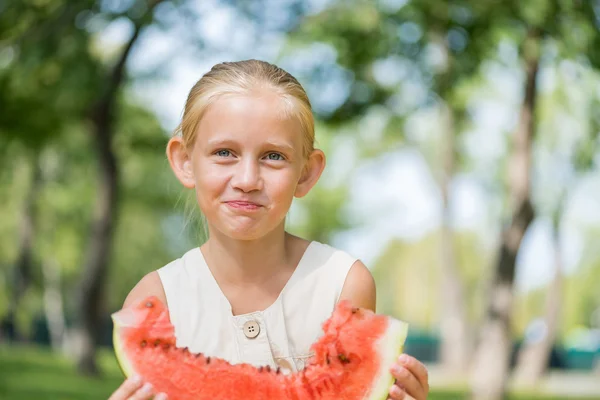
(492, 358)
(454, 330)
(534, 356)
(455, 337)
(23, 268)
(53, 304)
(89, 295)
(89, 290)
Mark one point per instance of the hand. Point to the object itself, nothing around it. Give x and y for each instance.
(411, 379)
(132, 389)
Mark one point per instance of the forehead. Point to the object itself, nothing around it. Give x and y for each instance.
(251, 118)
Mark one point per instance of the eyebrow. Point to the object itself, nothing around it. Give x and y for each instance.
(225, 142)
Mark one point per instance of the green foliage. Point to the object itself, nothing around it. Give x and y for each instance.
(407, 61)
(51, 75)
(407, 271)
(149, 196)
(47, 76)
(582, 299)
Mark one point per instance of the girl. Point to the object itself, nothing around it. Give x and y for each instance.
(253, 292)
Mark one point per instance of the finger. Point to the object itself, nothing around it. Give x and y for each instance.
(127, 388)
(396, 393)
(161, 396)
(145, 393)
(408, 382)
(417, 368)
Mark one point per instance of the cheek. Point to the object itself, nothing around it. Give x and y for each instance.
(209, 178)
(283, 186)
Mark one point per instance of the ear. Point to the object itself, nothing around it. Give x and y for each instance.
(180, 161)
(311, 173)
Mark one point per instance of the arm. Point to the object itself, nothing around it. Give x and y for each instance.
(149, 285)
(359, 287)
(134, 387)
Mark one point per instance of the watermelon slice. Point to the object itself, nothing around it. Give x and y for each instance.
(351, 359)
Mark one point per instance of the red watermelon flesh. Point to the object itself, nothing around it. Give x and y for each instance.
(351, 359)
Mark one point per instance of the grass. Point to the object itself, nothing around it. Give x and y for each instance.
(37, 373)
(31, 373)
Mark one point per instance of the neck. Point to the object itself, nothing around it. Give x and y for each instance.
(247, 261)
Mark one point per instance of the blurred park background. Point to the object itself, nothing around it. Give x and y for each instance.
(463, 168)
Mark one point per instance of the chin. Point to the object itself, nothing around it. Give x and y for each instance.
(251, 232)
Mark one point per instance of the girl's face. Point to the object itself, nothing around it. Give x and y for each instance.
(247, 164)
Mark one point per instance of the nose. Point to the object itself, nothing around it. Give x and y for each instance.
(246, 176)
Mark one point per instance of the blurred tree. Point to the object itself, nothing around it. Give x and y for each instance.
(582, 298)
(39, 98)
(53, 41)
(409, 270)
(22, 271)
(424, 47)
(446, 44)
(575, 98)
(102, 118)
(150, 194)
(534, 26)
(146, 234)
(459, 33)
(491, 362)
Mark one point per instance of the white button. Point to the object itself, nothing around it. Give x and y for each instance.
(251, 329)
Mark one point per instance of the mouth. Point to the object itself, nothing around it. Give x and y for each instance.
(243, 205)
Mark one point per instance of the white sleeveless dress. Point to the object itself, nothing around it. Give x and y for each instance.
(279, 336)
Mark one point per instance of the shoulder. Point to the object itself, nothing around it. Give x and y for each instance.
(359, 287)
(149, 285)
(358, 284)
(332, 256)
(153, 283)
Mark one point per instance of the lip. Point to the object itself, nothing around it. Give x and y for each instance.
(243, 205)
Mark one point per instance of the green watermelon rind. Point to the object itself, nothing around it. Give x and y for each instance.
(122, 360)
(390, 346)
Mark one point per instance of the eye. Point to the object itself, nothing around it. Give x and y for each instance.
(223, 153)
(275, 157)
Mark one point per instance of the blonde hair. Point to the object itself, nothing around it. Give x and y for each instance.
(241, 77)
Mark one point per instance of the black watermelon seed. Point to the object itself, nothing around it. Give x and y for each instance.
(156, 342)
(343, 359)
(144, 343)
(208, 360)
(278, 370)
(260, 369)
